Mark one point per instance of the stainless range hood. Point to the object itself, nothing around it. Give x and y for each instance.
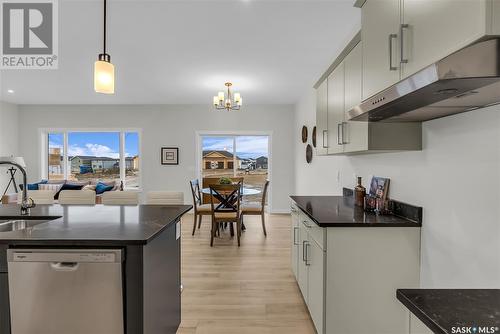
(467, 79)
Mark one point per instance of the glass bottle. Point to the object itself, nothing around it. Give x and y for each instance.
(359, 194)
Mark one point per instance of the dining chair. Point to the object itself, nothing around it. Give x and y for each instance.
(77, 197)
(226, 209)
(200, 209)
(39, 196)
(165, 198)
(257, 209)
(120, 198)
(210, 180)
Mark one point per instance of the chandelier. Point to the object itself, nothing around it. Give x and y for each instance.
(229, 102)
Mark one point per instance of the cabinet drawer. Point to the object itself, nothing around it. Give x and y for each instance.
(315, 232)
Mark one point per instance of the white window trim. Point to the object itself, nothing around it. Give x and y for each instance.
(269, 134)
(43, 147)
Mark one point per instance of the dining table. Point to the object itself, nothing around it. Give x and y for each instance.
(245, 191)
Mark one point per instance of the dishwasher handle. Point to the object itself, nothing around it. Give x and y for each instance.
(64, 266)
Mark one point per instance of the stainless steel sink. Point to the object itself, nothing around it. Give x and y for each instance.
(19, 224)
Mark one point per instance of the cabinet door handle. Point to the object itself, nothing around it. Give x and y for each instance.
(295, 229)
(325, 132)
(306, 224)
(391, 39)
(339, 130)
(402, 28)
(343, 133)
(306, 248)
(304, 251)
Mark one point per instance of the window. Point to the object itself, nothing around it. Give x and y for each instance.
(236, 156)
(94, 156)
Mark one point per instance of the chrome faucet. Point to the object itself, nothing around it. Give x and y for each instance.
(26, 203)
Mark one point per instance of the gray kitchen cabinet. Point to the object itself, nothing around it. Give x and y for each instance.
(344, 91)
(355, 135)
(315, 258)
(336, 110)
(302, 269)
(322, 119)
(380, 23)
(295, 238)
(348, 276)
(452, 24)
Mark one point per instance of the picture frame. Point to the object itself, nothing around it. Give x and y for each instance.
(379, 187)
(169, 156)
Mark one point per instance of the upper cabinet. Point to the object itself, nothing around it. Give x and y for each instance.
(322, 118)
(355, 135)
(336, 110)
(380, 22)
(401, 37)
(343, 89)
(431, 30)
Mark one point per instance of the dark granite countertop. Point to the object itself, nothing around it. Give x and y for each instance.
(445, 310)
(340, 211)
(96, 224)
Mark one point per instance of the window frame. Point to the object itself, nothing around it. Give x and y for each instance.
(44, 150)
(199, 152)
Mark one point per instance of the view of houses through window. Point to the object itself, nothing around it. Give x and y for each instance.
(236, 156)
(94, 156)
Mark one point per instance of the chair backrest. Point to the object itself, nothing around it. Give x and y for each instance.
(208, 181)
(39, 196)
(165, 198)
(120, 198)
(77, 197)
(195, 191)
(225, 197)
(264, 193)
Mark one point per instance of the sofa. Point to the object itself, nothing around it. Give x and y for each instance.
(57, 185)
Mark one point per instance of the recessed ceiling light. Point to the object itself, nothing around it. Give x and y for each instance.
(10, 91)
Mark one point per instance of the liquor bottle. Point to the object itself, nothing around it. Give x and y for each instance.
(359, 194)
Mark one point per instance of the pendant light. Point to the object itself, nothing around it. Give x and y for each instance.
(104, 71)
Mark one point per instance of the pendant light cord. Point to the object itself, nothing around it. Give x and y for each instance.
(104, 26)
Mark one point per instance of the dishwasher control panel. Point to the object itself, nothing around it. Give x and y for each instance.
(52, 255)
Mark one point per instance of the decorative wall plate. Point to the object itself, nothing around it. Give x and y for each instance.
(313, 136)
(309, 153)
(304, 134)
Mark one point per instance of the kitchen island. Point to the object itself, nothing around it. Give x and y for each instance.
(145, 239)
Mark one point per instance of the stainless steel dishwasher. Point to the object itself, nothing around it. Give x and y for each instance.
(65, 291)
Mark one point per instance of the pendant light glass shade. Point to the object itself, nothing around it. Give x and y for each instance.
(104, 77)
(104, 71)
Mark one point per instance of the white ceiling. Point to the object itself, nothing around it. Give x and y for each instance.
(182, 52)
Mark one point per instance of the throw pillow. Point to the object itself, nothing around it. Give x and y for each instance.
(68, 186)
(102, 187)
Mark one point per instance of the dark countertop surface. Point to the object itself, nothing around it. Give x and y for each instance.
(442, 310)
(340, 211)
(92, 224)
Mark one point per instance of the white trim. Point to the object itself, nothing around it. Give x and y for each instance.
(211, 133)
(43, 149)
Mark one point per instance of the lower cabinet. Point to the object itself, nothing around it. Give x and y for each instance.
(417, 326)
(348, 276)
(311, 270)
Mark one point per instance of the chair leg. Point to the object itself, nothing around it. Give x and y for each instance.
(263, 223)
(212, 233)
(238, 232)
(194, 224)
(199, 220)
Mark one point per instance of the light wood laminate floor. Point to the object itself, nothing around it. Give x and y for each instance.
(250, 289)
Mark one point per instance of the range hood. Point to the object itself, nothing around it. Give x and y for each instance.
(465, 80)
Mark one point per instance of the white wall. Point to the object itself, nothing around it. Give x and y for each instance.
(168, 125)
(455, 178)
(8, 138)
